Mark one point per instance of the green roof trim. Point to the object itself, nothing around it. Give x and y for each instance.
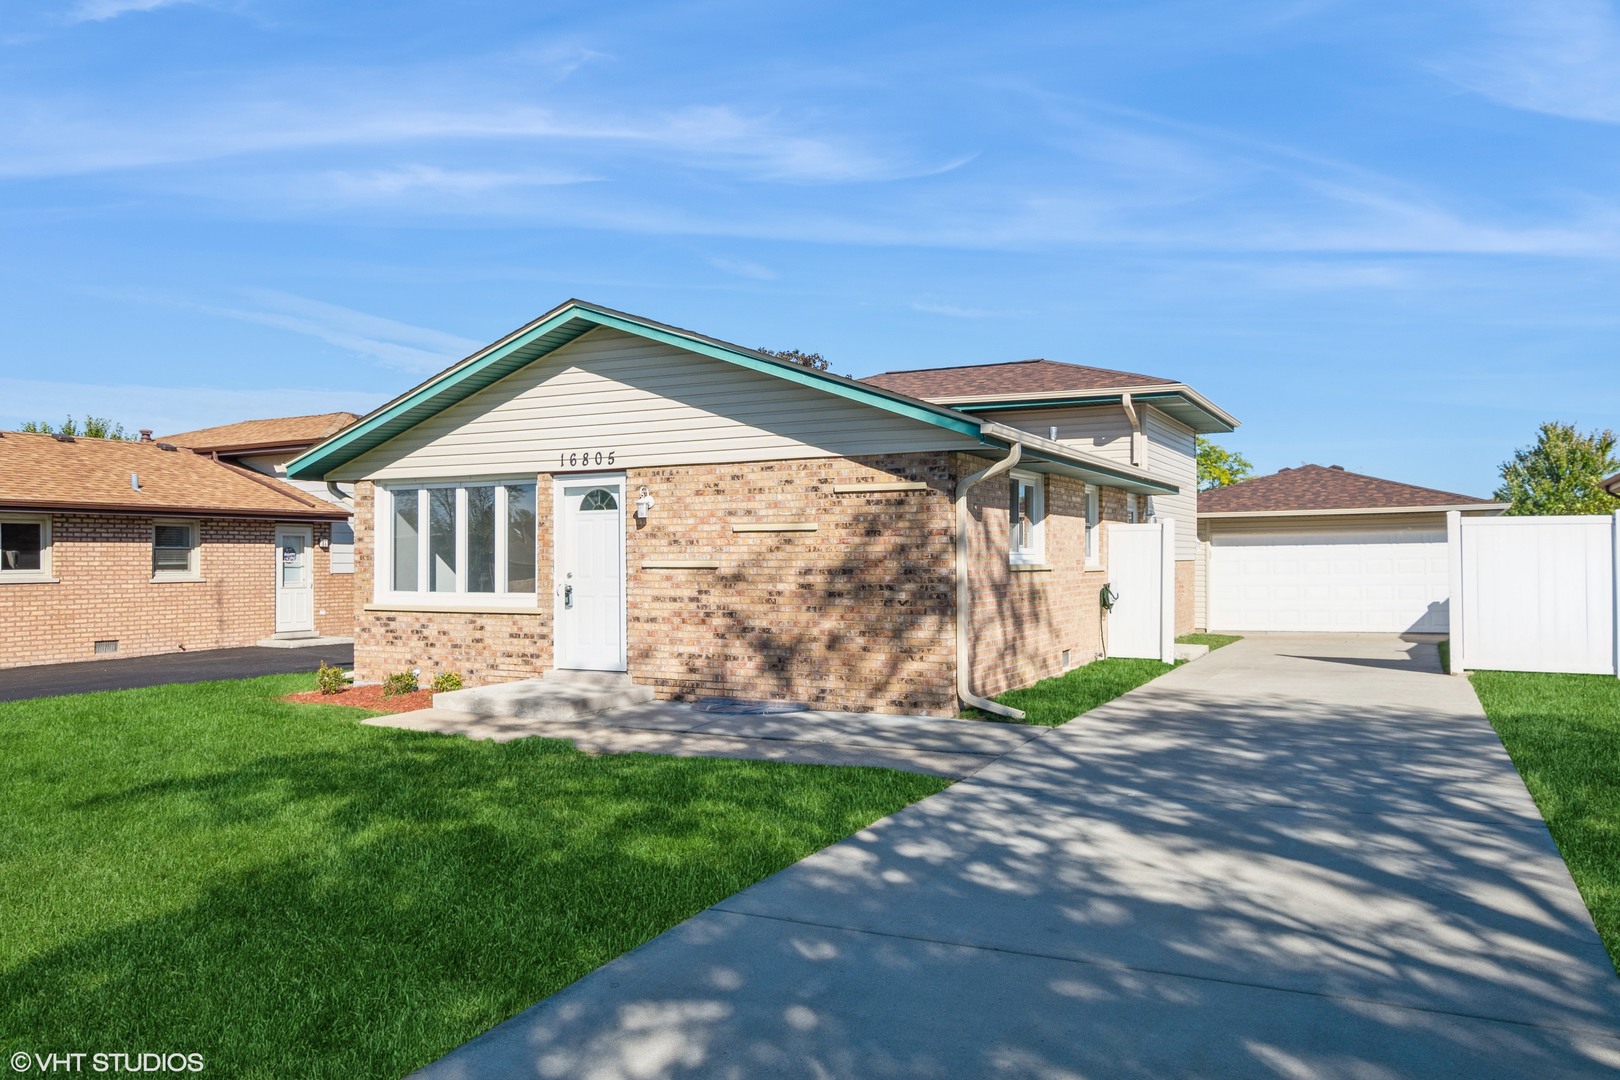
(551, 332)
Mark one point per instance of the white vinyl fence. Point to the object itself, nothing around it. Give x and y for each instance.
(1534, 593)
(1142, 573)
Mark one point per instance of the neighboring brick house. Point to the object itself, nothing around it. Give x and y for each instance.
(1144, 421)
(265, 447)
(599, 491)
(132, 548)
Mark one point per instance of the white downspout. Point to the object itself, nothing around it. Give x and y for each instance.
(1136, 428)
(963, 674)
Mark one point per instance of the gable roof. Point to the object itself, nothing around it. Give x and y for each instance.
(43, 472)
(289, 431)
(575, 318)
(1315, 488)
(1014, 377)
(1032, 384)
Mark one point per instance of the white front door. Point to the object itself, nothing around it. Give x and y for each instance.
(589, 605)
(295, 586)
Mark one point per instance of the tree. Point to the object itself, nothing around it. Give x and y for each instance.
(814, 360)
(94, 427)
(1218, 466)
(1561, 474)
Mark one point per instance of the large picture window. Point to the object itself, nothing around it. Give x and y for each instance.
(457, 540)
(25, 547)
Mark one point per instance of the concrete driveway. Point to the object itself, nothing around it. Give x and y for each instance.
(1299, 857)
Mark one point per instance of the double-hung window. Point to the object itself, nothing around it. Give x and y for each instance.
(25, 547)
(457, 542)
(1026, 532)
(1093, 525)
(174, 551)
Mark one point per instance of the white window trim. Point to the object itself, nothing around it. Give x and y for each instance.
(1035, 553)
(1093, 527)
(383, 592)
(193, 571)
(43, 574)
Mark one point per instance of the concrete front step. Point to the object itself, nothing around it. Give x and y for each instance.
(559, 695)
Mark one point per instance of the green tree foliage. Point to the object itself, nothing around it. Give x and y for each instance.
(1218, 467)
(814, 360)
(94, 427)
(1561, 474)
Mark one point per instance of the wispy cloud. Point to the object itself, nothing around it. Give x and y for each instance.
(410, 180)
(101, 10)
(742, 267)
(956, 312)
(1551, 56)
(386, 341)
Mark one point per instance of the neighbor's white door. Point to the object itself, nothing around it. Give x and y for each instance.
(295, 586)
(1350, 581)
(1142, 575)
(590, 614)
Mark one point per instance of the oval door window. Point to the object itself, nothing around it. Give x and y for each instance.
(599, 499)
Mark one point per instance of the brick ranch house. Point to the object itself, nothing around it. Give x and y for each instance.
(265, 447)
(133, 548)
(599, 491)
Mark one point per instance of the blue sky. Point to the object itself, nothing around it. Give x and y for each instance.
(1384, 235)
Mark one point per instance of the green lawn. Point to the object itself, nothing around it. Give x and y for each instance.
(203, 869)
(1563, 733)
(1214, 641)
(1061, 698)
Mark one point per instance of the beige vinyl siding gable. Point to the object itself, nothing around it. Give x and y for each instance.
(1104, 430)
(647, 404)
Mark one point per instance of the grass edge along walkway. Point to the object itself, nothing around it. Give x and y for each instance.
(287, 892)
(1563, 734)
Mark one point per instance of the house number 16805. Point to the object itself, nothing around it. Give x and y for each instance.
(576, 458)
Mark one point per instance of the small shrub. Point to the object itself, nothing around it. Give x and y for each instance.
(446, 681)
(403, 682)
(328, 679)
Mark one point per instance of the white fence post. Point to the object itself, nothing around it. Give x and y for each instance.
(1454, 609)
(1167, 591)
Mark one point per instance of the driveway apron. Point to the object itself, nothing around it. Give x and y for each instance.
(1303, 856)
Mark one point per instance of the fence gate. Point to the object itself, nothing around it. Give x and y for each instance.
(1535, 593)
(1142, 574)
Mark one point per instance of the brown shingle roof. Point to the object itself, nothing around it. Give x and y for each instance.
(1313, 487)
(279, 431)
(1016, 377)
(39, 472)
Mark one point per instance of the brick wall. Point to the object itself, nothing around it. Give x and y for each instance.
(105, 592)
(1023, 620)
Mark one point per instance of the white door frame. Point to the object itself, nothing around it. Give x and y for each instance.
(564, 539)
(308, 533)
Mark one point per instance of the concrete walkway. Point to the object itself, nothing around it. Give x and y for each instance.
(134, 672)
(1299, 857)
(926, 744)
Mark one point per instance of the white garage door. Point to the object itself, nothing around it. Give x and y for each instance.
(1354, 581)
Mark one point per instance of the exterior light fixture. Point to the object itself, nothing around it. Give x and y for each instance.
(644, 503)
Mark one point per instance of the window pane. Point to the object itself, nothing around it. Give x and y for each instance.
(441, 539)
(520, 538)
(171, 548)
(173, 536)
(405, 510)
(20, 545)
(481, 539)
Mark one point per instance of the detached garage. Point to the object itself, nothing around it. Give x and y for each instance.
(1319, 549)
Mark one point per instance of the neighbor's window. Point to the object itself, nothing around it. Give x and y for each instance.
(25, 547)
(174, 550)
(458, 539)
(1093, 523)
(1026, 518)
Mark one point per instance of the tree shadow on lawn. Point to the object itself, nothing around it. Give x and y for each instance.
(448, 885)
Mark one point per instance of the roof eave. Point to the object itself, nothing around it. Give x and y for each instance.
(1438, 508)
(1218, 420)
(1068, 461)
(337, 513)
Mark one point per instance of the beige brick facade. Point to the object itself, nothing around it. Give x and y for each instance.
(104, 591)
(858, 613)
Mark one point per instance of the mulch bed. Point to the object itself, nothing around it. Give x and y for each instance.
(367, 697)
